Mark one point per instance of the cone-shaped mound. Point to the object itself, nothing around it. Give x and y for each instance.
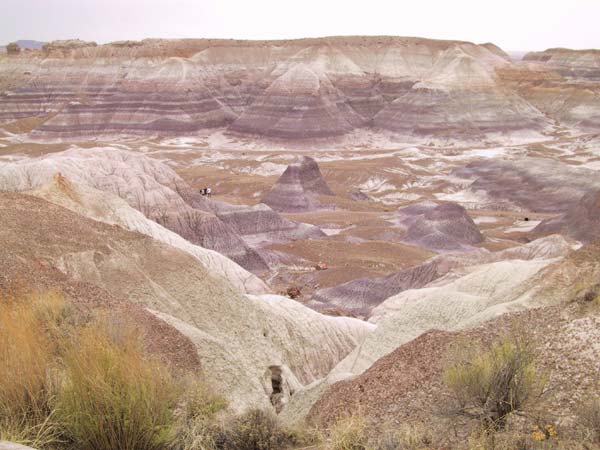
(298, 188)
(441, 227)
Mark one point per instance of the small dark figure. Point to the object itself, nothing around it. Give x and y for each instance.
(526, 219)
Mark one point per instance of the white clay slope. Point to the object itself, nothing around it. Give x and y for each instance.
(485, 292)
(108, 208)
(239, 339)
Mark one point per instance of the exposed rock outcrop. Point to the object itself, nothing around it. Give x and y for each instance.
(13, 49)
(298, 188)
(360, 296)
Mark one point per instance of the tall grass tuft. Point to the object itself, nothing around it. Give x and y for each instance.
(28, 346)
(113, 395)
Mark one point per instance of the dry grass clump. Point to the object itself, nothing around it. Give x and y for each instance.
(405, 437)
(28, 347)
(67, 385)
(254, 430)
(113, 395)
(195, 426)
(488, 385)
(522, 440)
(349, 433)
(589, 420)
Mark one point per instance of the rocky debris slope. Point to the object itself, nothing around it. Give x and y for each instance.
(292, 90)
(108, 208)
(465, 297)
(562, 334)
(534, 184)
(361, 296)
(418, 395)
(240, 340)
(487, 291)
(160, 194)
(298, 188)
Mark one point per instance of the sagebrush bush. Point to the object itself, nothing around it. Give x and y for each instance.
(254, 430)
(113, 395)
(28, 346)
(488, 385)
(349, 433)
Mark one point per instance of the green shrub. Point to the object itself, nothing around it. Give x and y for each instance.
(113, 396)
(489, 385)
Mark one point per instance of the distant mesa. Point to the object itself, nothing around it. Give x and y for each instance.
(297, 90)
(29, 44)
(299, 188)
(14, 48)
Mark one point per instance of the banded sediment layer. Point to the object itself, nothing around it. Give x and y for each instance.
(292, 90)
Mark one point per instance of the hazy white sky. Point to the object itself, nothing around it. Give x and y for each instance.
(512, 24)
